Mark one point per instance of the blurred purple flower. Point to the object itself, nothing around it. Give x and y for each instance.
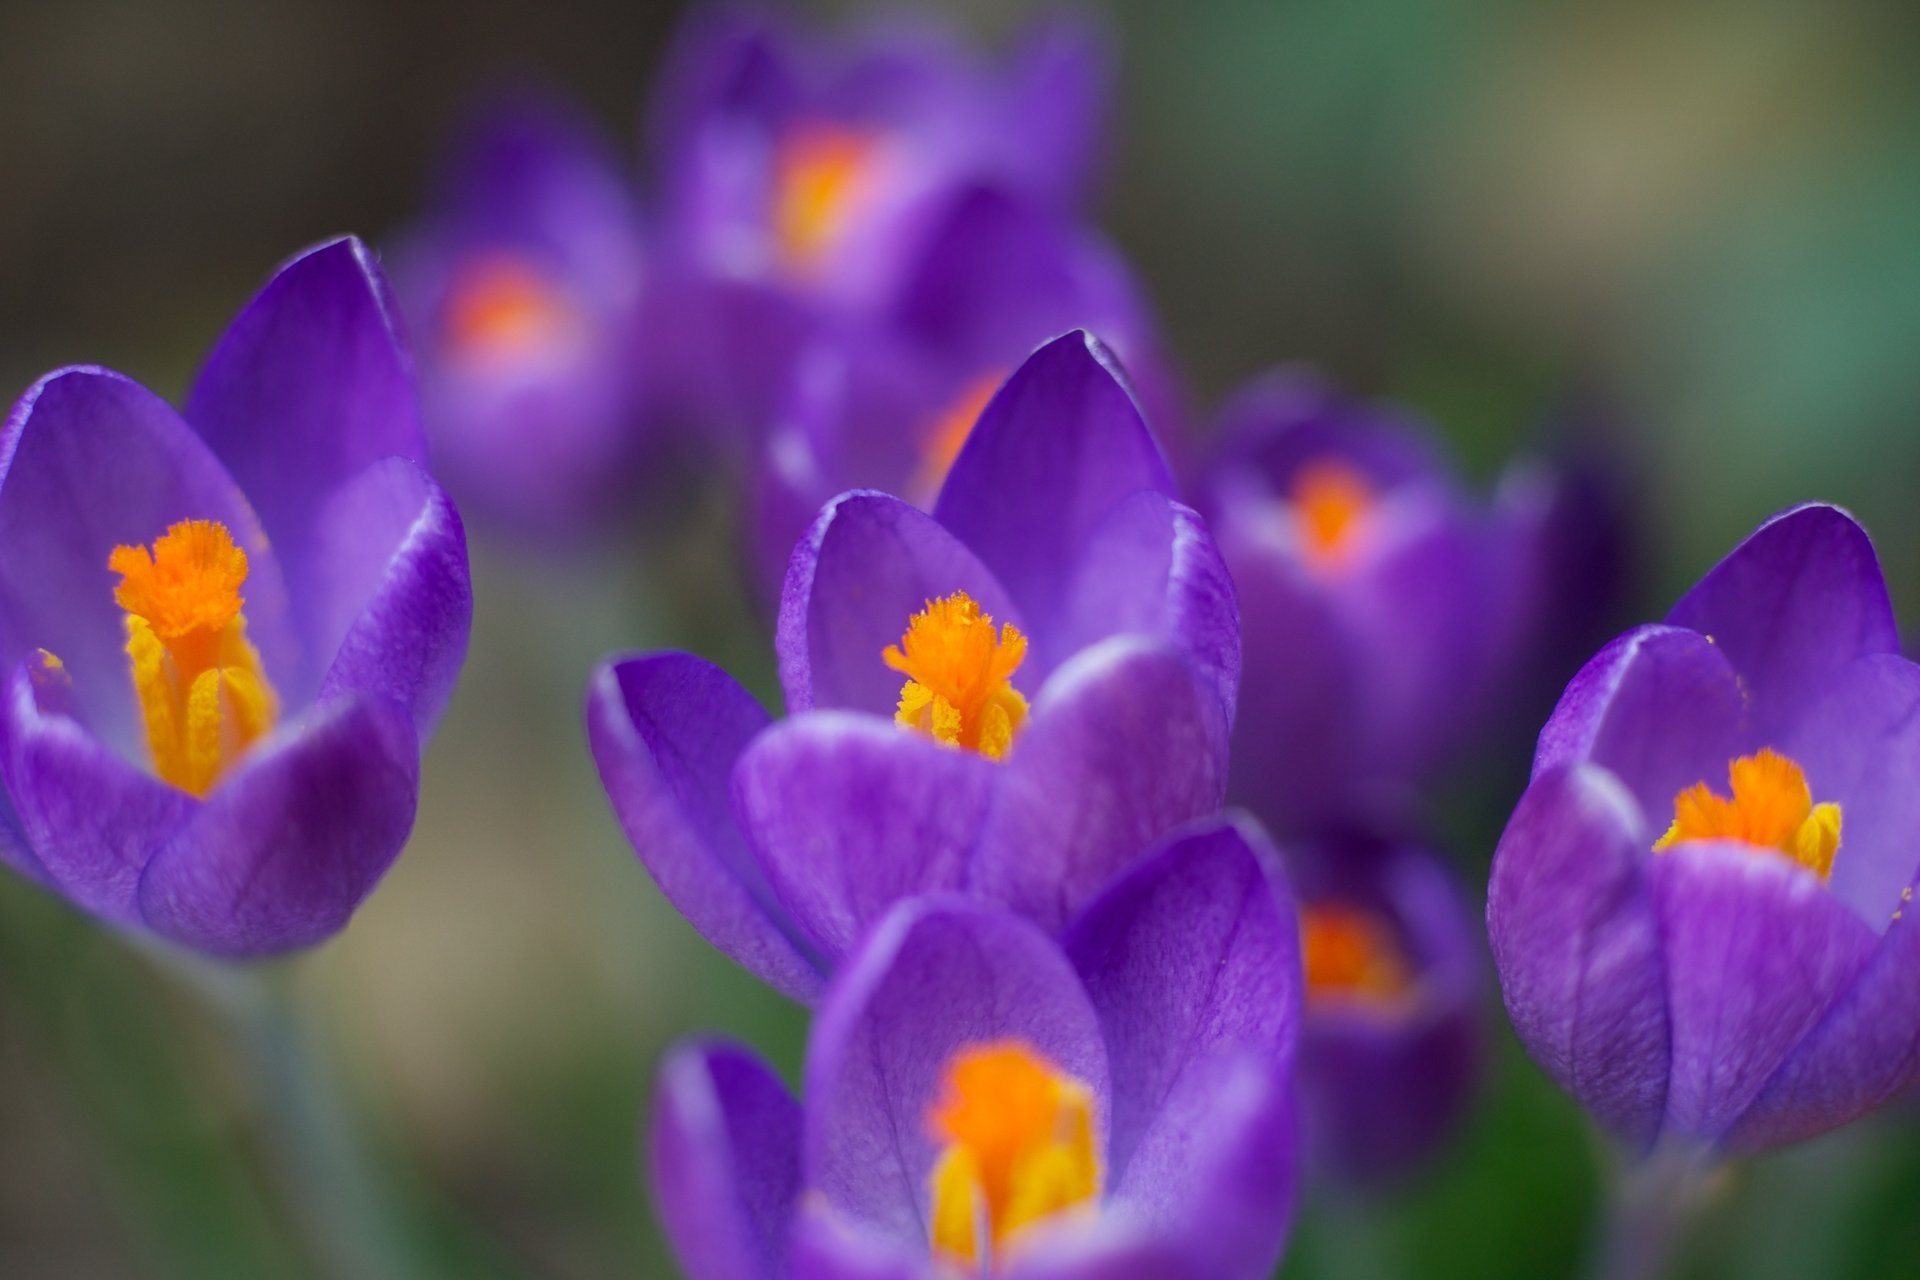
(1390, 1036)
(224, 748)
(1698, 908)
(981, 1100)
(1387, 608)
(782, 842)
(523, 281)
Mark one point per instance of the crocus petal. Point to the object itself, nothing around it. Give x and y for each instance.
(1756, 951)
(288, 844)
(1057, 447)
(402, 620)
(666, 730)
(1293, 415)
(1152, 568)
(934, 976)
(1062, 80)
(725, 1162)
(90, 818)
(1859, 743)
(848, 814)
(1106, 1249)
(1660, 708)
(1578, 948)
(1126, 742)
(1801, 597)
(310, 385)
(1195, 951)
(868, 564)
(93, 461)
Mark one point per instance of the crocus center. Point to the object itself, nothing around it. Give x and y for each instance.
(203, 695)
(821, 171)
(950, 431)
(1771, 808)
(501, 304)
(1330, 498)
(1016, 1148)
(957, 671)
(1350, 953)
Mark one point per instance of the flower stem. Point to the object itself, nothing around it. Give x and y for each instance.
(1654, 1202)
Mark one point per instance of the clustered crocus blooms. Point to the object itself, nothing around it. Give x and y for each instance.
(1389, 606)
(524, 282)
(1391, 990)
(227, 630)
(1014, 696)
(1700, 909)
(981, 1100)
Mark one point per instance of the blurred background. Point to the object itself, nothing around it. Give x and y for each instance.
(1705, 216)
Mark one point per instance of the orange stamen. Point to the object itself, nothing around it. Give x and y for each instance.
(1349, 953)
(1331, 500)
(821, 173)
(1771, 808)
(502, 304)
(957, 671)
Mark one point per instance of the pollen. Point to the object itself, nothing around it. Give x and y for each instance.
(1017, 1148)
(203, 696)
(501, 304)
(821, 173)
(1349, 953)
(957, 671)
(950, 431)
(1330, 499)
(1771, 808)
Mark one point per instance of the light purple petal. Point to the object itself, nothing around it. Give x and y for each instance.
(934, 977)
(402, 623)
(1292, 416)
(725, 1162)
(869, 564)
(1125, 743)
(666, 730)
(90, 818)
(1756, 950)
(1056, 449)
(1151, 567)
(93, 461)
(827, 1248)
(1801, 597)
(848, 814)
(1660, 709)
(287, 845)
(1578, 947)
(1063, 78)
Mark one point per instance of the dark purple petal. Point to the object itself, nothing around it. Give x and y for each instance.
(934, 977)
(94, 461)
(1125, 743)
(666, 730)
(1860, 746)
(1056, 449)
(869, 564)
(1063, 76)
(1194, 952)
(848, 814)
(310, 386)
(1151, 567)
(1756, 950)
(1578, 947)
(1292, 416)
(725, 63)
(402, 624)
(90, 819)
(288, 844)
(725, 1162)
(1660, 709)
(1800, 598)
(1109, 1248)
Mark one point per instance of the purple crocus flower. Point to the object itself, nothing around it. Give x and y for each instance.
(802, 173)
(222, 747)
(982, 1100)
(523, 282)
(1385, 604)
(1055, 567)
(1698, 910)
(1390, 1033)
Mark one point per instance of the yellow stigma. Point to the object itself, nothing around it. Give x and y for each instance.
(1350, 954)
(821, 172)
(957, 671)
(1330, 498)
(1017, 1147)
(950, 431)
(501, 304)
(1772, 808)
(203, 696)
